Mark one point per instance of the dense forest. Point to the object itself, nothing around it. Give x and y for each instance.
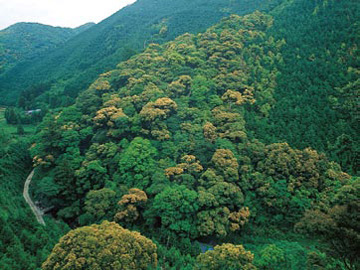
(225, 138)
(317, 92)
(74, 66)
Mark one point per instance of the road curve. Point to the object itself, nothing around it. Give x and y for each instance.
(37, 212)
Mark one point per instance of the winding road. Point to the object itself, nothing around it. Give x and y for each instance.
(37, 212)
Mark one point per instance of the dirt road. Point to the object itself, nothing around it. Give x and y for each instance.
(37, 212)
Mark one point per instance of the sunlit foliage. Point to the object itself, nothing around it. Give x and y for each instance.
(105, 246)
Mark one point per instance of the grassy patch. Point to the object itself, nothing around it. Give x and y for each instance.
(12, 129)
(2, 116)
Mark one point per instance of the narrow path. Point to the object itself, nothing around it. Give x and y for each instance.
(37, 212)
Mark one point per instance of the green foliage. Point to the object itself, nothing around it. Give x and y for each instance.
(271, 257)
(174, 260)
(137, 163)
(98, 204)
(175, 209)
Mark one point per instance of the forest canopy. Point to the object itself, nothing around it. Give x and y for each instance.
(233, 147)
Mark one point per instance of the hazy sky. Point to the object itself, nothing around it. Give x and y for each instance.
(66, 13)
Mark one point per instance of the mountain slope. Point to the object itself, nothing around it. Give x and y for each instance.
(189, 137)
(27, 41)
(166, 131)
(115, 39)
(172, 118)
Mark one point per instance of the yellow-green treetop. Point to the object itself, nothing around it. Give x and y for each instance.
(161, 108)
(131, 205)
(189, 165)
(108, 115)
(226, 256)
(107, 246)
(210, 132)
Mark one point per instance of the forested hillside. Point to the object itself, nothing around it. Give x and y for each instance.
(73, 67)
(28, 41)
(228, 142)
(165, 134)
(317, 92)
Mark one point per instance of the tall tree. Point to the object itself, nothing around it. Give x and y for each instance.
(105, 246)
(226, 256)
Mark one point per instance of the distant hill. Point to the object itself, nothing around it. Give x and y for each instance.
(27, 41)
(82, 58)
(82, 28)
